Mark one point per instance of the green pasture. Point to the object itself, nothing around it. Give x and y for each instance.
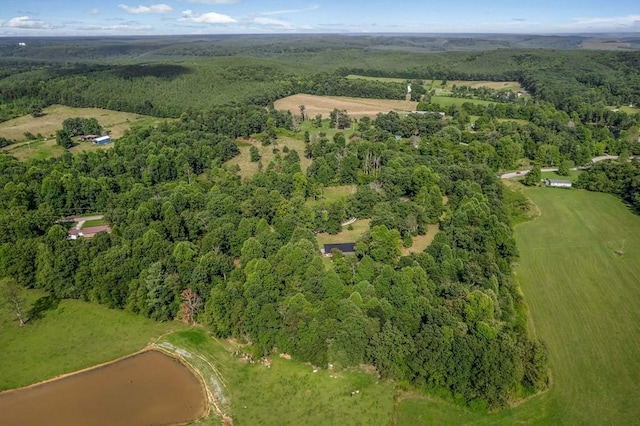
(573, 175)
(332, 194)
(70, 336)
(95, 222)
(583, 302)
(289, 392)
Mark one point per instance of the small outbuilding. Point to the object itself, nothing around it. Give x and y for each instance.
(345, 248)
(558, 183)
(102, 140)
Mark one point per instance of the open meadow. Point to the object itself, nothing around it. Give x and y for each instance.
(355, 107)
(114, 122)
(249, 168)
(582, 299)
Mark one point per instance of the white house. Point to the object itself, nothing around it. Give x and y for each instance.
(102, 140)
(558, 183)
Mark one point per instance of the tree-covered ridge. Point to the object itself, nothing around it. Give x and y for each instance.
(449, 319)
(570, 80)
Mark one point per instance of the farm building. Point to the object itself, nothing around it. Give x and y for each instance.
(88, 137)
(558, 183)
(345, 248)
(87, 232)
(102, 140)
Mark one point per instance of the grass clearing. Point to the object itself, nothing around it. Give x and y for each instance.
(331, 194)
(437, 84)
(573, 175)
(94, 222)
(355, 107)
(582, 301)
(346, 236)
(248, 168)
(625, 108)
(421, 242)
(496, 85)
(115, 122)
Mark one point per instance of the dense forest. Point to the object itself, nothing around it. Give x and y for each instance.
(191, 239)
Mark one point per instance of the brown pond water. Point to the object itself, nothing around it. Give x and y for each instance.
(149, 388)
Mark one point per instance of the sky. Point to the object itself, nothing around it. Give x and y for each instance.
(141, 17)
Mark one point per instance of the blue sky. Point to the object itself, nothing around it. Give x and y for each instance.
(141, 17)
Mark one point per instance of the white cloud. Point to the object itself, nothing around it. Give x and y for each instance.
(118, 27)
(206, 18)
(607, 23)
(93, 11)
(214, 1)
(261, 20)
(156, 8)
(24, 22)
(285, 11)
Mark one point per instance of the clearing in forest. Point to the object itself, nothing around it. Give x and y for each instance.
(331, 194)
(421, 242)
(249, 168)
(582, 300)
(355, 107)
(345, 236)
(113, 122)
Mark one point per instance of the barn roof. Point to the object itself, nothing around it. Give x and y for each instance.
(343, 247)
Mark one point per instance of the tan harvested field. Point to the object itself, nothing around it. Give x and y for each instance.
(355, 107)
(147, 388)
(114, 122)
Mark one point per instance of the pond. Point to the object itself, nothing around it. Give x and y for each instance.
(144, 389)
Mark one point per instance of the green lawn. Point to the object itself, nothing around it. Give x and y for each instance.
(72, 336)
(332, 194)
(346, 236)
(95, 222)
(583, 302)
(573, 175)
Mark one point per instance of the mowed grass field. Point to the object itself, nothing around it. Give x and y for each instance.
(355, 107)
(583, 302)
